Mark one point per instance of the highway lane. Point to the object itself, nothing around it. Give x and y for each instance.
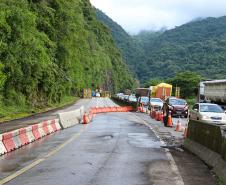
(87, 103)
(116, 148)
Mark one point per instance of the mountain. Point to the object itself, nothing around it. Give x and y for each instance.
(53, 48)
(132, 51)
(198, 46)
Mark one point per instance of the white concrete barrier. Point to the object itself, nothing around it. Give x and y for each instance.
(69, 119)
(16, 139)
(40, 129)
(57, 123)
(29, 133)
(2, 147)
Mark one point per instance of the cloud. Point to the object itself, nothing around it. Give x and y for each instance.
(137, 15)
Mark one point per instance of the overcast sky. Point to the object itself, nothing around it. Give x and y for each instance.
(137, 15)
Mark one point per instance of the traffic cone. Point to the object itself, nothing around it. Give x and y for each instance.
(169, 121)
(142, 108)
(178, 127)
(85, 119)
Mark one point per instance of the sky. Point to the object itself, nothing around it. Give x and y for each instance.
(137, 15)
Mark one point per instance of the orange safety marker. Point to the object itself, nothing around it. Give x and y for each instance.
(178, 127)
(169, 121)
(85, 119)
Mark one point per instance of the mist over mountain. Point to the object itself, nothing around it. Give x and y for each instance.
(198, 46)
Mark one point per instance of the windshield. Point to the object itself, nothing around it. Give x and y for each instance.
(156, 100)
(211, 108)
(144, 99)
(177, 102)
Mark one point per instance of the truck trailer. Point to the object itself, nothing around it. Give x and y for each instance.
(214, 92)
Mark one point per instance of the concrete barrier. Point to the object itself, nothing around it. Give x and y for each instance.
(57, 124)
(29, 133)
(2, 147)
(69, 119)
(208, 141)
(7, 139)
(23, 136)
(35, 132)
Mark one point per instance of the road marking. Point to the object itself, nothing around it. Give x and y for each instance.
(38, 161)
(178, 179)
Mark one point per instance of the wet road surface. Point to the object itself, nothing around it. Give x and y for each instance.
(115, 149)
(23, 122)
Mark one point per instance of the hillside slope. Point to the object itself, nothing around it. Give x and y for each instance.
(132, 51)
(198, 46)
(53, 48)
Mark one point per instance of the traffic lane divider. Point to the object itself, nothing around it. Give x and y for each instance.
(10, 141)
(23, 136)
(7, 139)
(71, 118)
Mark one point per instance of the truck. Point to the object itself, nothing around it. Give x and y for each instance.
(213, 91)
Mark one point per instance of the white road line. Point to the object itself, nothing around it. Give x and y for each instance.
(178, 179)
(38, 161)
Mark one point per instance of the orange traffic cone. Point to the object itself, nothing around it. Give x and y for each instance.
(178, 127)
(85, 119)
(169, 121)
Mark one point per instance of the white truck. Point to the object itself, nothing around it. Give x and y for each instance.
(213, 91)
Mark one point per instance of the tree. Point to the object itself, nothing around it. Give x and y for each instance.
(187, 81)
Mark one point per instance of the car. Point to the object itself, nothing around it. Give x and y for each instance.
(208, 113)
(144, 100)
(132, 98)
(97, 94)
(176, 106)
(126, 98)
(156, 103)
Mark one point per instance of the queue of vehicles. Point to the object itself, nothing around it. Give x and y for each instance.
(210, 106)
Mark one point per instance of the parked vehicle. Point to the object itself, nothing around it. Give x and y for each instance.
(126, 98)
(144, 100)
(156, 103)
(132, 98)
(213, 92)
(178, 107)
(97, 94)
(208, 112)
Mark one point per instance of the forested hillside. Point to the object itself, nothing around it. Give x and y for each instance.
(132, 51)
(199, 46)
(53, 48)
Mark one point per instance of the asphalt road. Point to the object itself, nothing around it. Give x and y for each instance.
(114, 149)
(87, 103)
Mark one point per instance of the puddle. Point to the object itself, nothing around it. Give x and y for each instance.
(143, 140)
(6, 167)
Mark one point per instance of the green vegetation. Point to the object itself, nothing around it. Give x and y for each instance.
(18, 111)
(52, 49)
(198, 46)
(187, 81)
